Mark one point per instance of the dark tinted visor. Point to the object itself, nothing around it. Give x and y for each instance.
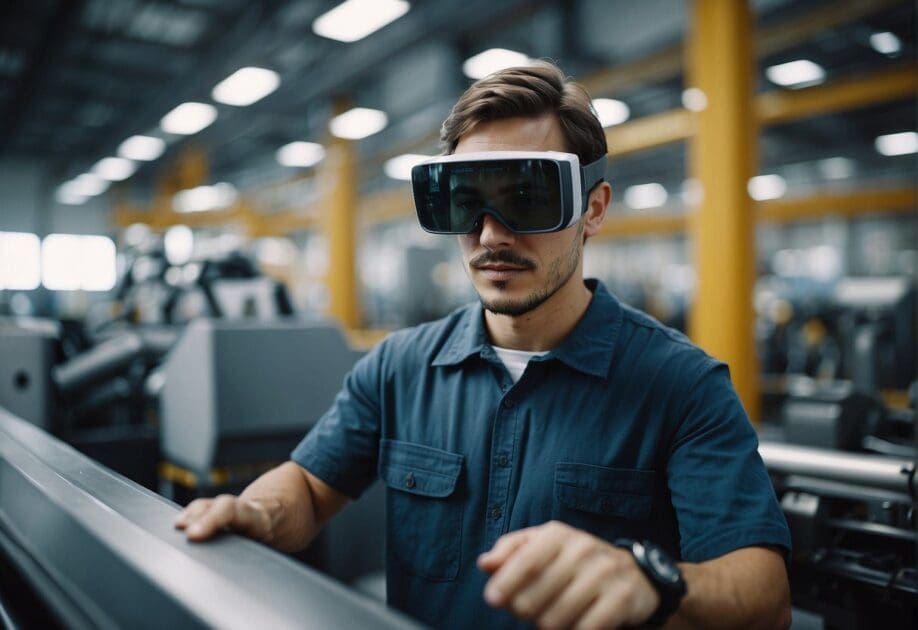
(526, 195)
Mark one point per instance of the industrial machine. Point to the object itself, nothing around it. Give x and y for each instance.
(82, 547)
(853, 525)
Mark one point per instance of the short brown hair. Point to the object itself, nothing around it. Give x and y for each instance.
(529, 91)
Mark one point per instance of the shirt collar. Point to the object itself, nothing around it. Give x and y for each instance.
(588, 348)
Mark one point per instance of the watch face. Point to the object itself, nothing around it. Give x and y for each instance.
(662, 566)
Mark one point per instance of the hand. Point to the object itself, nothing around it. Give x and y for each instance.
(203, 518)
(557, 577)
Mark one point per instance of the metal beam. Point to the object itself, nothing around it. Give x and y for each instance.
(722, 157)
(847, 93)
(860, 203)
(651, 131)
(620, 226)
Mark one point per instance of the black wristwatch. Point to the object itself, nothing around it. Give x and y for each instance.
(662, 573)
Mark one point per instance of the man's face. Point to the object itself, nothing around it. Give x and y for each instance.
(515, 273)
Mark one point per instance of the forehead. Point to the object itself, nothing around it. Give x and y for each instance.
(515, 134)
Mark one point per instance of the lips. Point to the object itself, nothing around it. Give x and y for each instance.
(500, 273)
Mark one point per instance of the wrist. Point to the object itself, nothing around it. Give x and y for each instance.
(663, 574)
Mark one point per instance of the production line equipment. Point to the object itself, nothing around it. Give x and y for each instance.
(83, 547)
(853, 525)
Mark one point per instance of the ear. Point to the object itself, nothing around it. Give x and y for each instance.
(596, 209)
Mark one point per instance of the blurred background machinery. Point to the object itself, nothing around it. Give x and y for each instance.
(205, 220)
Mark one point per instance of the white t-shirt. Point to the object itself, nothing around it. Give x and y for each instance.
(516, 360)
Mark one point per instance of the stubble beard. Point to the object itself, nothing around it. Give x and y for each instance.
(558, 276)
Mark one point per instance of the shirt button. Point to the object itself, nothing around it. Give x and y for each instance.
(508, 403)
(503, 460)
(605, 504)
(409, 481)
(496, 512)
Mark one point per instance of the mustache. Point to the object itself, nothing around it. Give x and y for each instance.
(502, 256)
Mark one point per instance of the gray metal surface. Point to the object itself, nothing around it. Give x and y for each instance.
(232, 381)
(887, 473)
(26, 357)
(109, 548)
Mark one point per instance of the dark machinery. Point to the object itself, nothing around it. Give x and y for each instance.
(853, 524)
(82, 547)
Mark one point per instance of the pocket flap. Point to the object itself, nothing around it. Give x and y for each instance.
(418, 469)
(607, 491)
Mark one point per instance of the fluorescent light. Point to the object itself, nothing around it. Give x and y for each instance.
(694, 99)
(204, 198)
(246, 86)
(358, 123)
(355, 19)
(179, 244)
(897, 143)
(400, 167)
(20, 261)
(188, 118)
(114, 169)
(610, 111)
(836, 168)
(88, 185)
(886, 43)
(300, 154)
(70, 262)
(491, 61)
(762, 187)
(796, 74)
(142, 148)
(645, 196)
(68, 194)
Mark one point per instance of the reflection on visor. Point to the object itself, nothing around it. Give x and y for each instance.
(524, 194)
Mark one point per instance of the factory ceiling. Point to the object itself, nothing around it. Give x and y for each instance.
(78, 77)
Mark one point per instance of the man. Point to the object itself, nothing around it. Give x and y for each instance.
(550, 454)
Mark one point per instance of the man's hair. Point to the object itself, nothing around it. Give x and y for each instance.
(529, 91)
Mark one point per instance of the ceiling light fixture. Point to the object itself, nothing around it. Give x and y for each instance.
(188, 118)
(142, 148)
(897, 143)
(355, 19)
(400, 166)
(764, 187)
(886, 43)
(644, 196)
(300, 154)
(246, 86)
(491, 61)
(358, 123)
(114, 169)
(611, 111)
(796, 74)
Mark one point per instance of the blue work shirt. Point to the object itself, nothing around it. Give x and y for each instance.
(625, 429)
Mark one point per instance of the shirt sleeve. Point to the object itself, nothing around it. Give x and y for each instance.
(343, 447)
(721, 492)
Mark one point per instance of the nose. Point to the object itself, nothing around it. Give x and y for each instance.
(494, 234)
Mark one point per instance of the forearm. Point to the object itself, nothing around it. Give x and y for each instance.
(288, 503)
(743, 589)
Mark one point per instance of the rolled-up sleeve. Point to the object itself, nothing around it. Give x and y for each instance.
(721, 492)
(342, 448)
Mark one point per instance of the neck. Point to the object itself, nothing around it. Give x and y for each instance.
(544, 327)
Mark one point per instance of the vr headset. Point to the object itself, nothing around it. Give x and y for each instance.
(529, 192)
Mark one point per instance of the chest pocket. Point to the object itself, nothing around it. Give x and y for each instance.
(607, 502)
(424, 508)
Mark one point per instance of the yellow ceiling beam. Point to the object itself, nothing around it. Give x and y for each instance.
(618, 226)
(865, 202)
(650, 131)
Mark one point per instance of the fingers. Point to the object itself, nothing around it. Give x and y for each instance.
(612, 609)
(577, 596)
(505, 546)
(525, 563)
(204, 518)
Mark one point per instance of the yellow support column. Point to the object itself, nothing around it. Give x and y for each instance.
(722, 158)
(337, 178)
